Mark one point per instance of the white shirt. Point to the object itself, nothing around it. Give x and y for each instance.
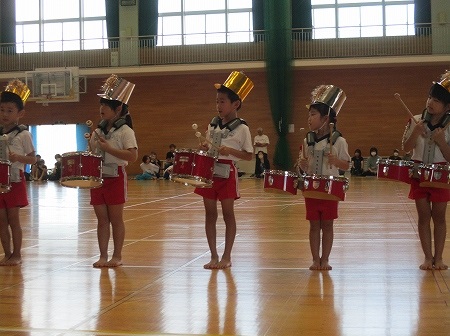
(21, 144)
(263, 139)
(340, 149)
(240, 139)
(121, 138)
(422, 143)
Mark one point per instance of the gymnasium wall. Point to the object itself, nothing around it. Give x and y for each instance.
(164, 106)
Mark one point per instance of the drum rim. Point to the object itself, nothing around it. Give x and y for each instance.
(327, 177)
(195, 151)
(280, 172)
(99, 180)
(207, 182)
(406, 163)
(83, 153)
(435, 166)
(7, 162)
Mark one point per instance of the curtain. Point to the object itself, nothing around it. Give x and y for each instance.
(112, 22)
(148, 22)
(8, 25)
(302, 19)
(258, 20)
(422, 17)
(277, 21)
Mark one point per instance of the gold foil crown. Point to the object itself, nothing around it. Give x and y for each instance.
(117, 88)
(445, 80)
(239, 83)
(329, 95)
(19, 88)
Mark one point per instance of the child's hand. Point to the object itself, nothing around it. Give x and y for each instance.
(419, 129)
(224, 150)
(438, 136)
(333, 159)
(303, 164)
(102, 144)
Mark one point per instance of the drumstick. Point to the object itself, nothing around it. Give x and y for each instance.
(202, 138)
(331, 140)
(6, 141)
(88, 137)
(397, 96)
(302, 156)
(194, 127)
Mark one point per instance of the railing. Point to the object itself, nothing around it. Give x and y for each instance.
(141, 51)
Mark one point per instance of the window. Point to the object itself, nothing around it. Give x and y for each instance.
(55, 25)
(362, 18)
(204, 21)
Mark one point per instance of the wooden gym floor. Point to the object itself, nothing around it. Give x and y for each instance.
(375, 287)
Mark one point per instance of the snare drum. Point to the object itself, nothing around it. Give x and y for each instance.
(5, 181)
(324, 187)
(193, 167)
(81, 170)
(279, 180)
(395, 170)
(434, 175)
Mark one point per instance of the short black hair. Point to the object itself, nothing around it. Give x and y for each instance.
(231, 95)
(325, 110)
(9, 97)
(439, 92)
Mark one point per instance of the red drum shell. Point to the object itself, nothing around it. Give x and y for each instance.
(395, 170)
(81, 170)
(5, 181)
(324, 187)
(434, 175)
(280, 181)
(193, 167)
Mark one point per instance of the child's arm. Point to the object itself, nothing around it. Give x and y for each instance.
(129, 154)
(241, 154)
(410, 142)
(26, 159)
(439, 137)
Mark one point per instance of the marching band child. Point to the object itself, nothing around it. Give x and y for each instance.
(17, 147)
(429, 139)
(229, 139)
(318, 159)
(115, 140)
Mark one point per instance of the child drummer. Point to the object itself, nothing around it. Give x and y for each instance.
(429, 139)
(17, 147)
(115, 140)
(229, 139)
(326, 152)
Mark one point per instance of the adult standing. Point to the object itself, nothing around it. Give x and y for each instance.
(260, 142)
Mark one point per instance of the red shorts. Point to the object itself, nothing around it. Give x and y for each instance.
(431, 194)
(113, 190)
(222, 188)
(317, 209)
(16, 196)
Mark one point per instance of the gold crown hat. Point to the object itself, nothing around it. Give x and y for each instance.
(445, 80)
(117, 88)
(19, 88)
(329, 95)
(239, 83)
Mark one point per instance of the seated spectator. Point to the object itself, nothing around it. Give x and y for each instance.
(170, 156)
(357, 163)
(39, 173)
(148, 169)
(372, 166)
(263, 164)
(156, 164)
(395, 155)
(56, 172)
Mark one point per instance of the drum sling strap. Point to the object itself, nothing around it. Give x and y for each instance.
(109, 169)
(220, 169)
(430, 145)
(5, 142)
(311, 139)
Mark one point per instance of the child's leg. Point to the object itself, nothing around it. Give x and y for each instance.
(230, 231)
(210, 229)
(327, 243)
(424, 213)
(314, 243)
(115, 214)
(5, 236)
(440, 232)
(103, 234)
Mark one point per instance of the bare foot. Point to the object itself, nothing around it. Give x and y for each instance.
(315, 266)
(427, 265)
(224, 263)
(212, 264)
(439, 265)
(102, 262)
(114, 262)
(324, 265)
(11, 261)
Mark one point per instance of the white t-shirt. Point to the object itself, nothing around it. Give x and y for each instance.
(422, 143)
(121, 138)
(21, 144)
(240, 139)
(340, 149)
(150, 168)
(263, 139)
